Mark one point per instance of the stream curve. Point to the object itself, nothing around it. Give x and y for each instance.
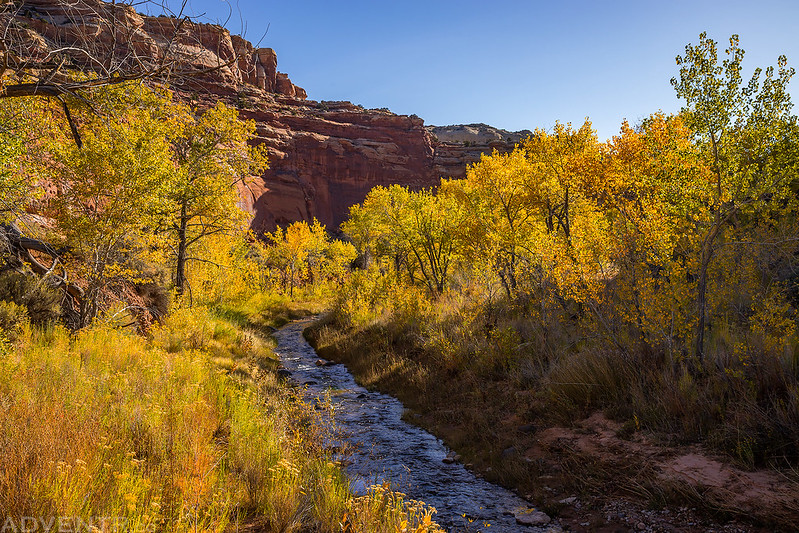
(386, 448)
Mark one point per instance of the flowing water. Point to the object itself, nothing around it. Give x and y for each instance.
(385, 448)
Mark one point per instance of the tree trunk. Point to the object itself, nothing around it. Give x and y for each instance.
(701, 288)
(701, 304)
(707, 256)
(180, 267)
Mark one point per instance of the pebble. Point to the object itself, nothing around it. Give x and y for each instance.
(451, 458)
(532, 518)
(569, 501)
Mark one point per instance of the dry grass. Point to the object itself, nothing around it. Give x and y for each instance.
(475, 373)
(186, 431)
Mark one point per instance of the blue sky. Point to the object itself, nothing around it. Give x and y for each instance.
(511, 64)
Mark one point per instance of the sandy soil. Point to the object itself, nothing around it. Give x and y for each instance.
(689, 472)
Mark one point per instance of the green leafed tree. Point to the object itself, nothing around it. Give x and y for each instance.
(418, 230)
(747, 136)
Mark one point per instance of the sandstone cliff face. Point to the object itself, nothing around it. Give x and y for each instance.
(114, 38)
(457, 146)
(324, 156)
(477, 134)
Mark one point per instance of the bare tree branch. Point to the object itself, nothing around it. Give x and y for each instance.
(61, 47)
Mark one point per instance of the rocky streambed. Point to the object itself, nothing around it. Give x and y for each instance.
(382, 447)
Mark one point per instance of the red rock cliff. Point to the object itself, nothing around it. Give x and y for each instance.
(324, 156)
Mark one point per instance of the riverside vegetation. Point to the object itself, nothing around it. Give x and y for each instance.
(125, 405)
(651, 277)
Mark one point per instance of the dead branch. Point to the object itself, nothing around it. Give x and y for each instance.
(21, 247)
(57, 48)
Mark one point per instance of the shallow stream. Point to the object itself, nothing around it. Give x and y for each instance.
(384, 447)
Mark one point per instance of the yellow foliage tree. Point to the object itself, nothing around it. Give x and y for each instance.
(304, 253)
(419, 231)
(747, 138)
(108, 187)
(200, 198)
(501, 223)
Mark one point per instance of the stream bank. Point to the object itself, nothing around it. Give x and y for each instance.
(592, 474)
(382, 447)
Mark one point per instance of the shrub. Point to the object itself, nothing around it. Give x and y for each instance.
(13, 320)
(43, 303)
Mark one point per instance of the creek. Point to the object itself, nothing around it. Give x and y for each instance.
(382, 447)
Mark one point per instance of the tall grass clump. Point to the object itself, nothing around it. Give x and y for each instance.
(188, 430)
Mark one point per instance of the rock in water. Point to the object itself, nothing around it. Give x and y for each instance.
(451, 457)
(531, 517)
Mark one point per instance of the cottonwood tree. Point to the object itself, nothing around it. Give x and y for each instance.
(642, 183)
(106, 190)
(746, 133)
(150, 173)
(501, 222)
(73, 52)
(419, 230)
(369, 227)
(65, 49)
(15, 184)
(302, 252)
(571, 247)
(200, 199)
(558, 159)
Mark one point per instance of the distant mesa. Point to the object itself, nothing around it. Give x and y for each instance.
(479, 134)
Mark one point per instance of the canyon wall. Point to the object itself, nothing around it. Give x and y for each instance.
(326, 156)
(323, 156)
